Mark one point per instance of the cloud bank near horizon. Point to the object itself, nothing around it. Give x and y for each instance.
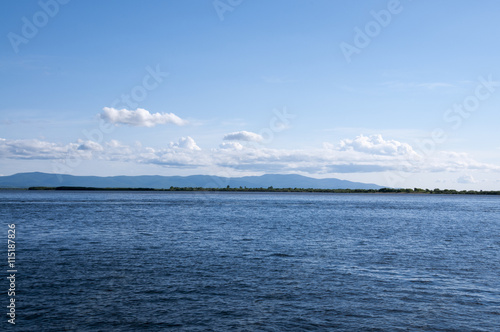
(359, 155)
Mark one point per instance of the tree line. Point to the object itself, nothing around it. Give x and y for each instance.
(272, 189)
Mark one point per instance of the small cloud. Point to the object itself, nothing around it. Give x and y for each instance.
(466, 179)
(185, 143)
(245, 136)
(139, 118)
(114, 144)
(89, 146)
(231, 145)
(376, 144)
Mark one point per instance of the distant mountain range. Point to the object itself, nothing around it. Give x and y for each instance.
(37, 179)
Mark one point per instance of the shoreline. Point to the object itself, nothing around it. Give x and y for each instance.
(415, 191)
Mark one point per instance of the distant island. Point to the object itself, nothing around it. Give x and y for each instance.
(290, 190)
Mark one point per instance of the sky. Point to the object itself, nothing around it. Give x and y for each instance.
(398, 93)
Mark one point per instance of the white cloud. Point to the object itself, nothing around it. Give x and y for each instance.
(231, 145)
(33, 149)
(114, 144)
(450, 161)
(245, 136)
(359, 155)
(185, 143)
(139, 118)
(115, 150)
(375, 144)
(89, 146)
(466, 179)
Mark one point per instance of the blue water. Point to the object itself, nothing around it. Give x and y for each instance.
(131, 261)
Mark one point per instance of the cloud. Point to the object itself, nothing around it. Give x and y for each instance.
(359, 155)
(245, 136)
(467, 179)
(115, 150)
(184, 153)
(450, 161)
(139, 118)
(231, 145)
(185, 143)
(89, 146)
(33, 149)
(375, 144)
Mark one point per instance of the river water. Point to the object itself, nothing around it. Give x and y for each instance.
(130, 261)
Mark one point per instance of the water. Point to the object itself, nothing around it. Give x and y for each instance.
(130, 261)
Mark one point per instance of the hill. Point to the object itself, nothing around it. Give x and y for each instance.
(37, 179)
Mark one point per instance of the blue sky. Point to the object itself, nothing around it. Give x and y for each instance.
(398, 93)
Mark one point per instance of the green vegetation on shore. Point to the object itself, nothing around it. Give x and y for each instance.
(271, 189)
